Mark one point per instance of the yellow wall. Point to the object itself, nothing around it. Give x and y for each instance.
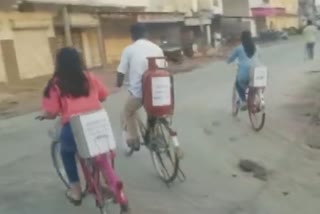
(290, 5)
(33, 53)
(91, 48)
(30, 33)
(116, 38)
(280, 22)
(3, 75)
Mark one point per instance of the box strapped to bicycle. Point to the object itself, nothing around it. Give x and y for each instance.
(259, 77)
(93, 133)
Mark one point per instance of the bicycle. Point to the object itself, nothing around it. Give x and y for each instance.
(94, 170)
(255, 100)
(161, 147)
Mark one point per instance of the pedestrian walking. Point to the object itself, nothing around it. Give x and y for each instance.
(310, 36)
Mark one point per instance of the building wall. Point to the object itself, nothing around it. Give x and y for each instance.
(91, 48)
(184, 6)
(291, 6)
(25, 45)
(236, 8)
(281, 22)
(216, 6)
(116, 37)
(3, 75)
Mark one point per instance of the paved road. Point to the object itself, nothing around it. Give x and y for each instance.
(214, 142)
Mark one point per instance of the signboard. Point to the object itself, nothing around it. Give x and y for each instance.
(161, 91)
(160, 18)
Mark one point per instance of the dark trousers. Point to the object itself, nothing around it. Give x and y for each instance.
(310, 50)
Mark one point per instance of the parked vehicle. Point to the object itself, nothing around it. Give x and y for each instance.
(173, 52)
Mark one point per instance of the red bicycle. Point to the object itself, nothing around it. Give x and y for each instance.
(255, 99)
(100, 179)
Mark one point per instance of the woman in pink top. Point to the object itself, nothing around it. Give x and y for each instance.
(71, 91)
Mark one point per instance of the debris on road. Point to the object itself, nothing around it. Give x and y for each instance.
(258, 171)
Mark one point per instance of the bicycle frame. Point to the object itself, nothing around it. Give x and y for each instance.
(102, 164)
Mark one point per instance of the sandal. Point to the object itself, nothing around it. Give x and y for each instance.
(72, 199)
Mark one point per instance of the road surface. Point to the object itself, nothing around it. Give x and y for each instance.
(213, 141)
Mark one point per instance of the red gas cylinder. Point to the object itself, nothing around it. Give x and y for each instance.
(157, 88)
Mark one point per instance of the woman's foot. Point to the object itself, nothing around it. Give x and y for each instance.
(243, 106)
(74, 194)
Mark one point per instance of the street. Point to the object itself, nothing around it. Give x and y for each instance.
(213, 142)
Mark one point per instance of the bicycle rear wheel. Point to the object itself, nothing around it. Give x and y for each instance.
(163, 152)
(256, 111)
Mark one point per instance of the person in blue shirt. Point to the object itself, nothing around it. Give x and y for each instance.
(245, 54)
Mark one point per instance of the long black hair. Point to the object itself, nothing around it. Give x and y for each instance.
(69, 74)
(248, 43)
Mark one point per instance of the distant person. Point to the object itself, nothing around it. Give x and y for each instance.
(310, 36)
(246, 55)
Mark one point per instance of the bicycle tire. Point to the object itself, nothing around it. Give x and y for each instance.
(59, 168)
(256, 126)
(55, 154)
(235, 106)
(157, 158)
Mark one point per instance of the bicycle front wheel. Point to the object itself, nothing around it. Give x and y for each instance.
(58, 164)
(163, 152)
(235, 102)
(59, 167)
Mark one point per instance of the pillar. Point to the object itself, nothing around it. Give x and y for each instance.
(67, 26)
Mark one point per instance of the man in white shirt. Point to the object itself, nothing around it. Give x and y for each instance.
(134, 63)
(310, 35)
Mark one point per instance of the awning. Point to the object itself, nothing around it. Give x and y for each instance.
(197, 21)
(268, 11)
(93, 3)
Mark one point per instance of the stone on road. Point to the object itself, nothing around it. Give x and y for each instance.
(213, 142)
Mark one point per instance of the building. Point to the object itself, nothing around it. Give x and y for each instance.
(277, 15)
(31, 31)
(25, 40)
(237, 17)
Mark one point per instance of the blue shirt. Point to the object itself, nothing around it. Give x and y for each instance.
(244, 63)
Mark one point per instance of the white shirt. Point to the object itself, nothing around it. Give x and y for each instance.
(134, 62)
(310, 34)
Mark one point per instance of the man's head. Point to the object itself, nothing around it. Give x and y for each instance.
(309, 22)
(138, 31)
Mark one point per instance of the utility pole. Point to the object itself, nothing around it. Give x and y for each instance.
(67, 26)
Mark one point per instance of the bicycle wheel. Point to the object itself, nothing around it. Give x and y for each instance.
(256, 111)
(58, 164)
(235, 102)
(59, 167)
(163, 153)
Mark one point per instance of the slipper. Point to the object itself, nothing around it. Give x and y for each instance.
(75, 202)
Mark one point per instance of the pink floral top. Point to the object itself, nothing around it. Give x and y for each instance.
(68, 106)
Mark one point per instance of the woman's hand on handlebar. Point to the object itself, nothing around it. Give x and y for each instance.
(46, 116)
(40, 118)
